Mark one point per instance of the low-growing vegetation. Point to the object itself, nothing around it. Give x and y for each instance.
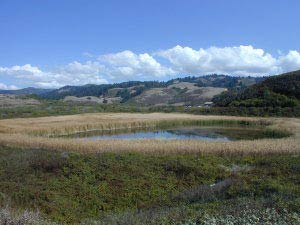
(137, 188)
(56, 108)
(47, 179)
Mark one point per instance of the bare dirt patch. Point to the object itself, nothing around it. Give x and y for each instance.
(92, 99)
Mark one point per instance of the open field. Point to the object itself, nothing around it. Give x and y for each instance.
(41, 132)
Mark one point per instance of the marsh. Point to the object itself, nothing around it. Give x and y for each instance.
(205, 133)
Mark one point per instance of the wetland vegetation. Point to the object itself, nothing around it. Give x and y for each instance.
(249, 176)
(138, 188)
(47, 179)
(45, 132)
(149, 112)
(205, 133)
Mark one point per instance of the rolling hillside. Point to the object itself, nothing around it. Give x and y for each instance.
(10, 101)
(181, 91)
(276, 91)
(26, 91)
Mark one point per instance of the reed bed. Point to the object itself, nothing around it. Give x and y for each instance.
(64, 125)
(39, 132)
(258, 147)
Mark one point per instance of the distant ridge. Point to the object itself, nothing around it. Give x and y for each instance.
(26, 91)
(129, 90)
(223, 90)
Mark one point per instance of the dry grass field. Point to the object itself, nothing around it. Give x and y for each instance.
(179, 93)
(10, 101)
(41, 132)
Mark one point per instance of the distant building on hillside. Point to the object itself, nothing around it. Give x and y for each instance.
(208, 104)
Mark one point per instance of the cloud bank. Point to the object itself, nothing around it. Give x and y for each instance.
(163, 64)
(128, 65)
(7, 87)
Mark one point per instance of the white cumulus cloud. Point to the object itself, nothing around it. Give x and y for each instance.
(21, 71)
(74, 73)
(168, 63)
(7, 87)
(289, 62)
(241, 60)
(128, 65)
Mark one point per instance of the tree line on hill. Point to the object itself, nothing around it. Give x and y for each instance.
(274, 95)
(275, 91)
(131, 89)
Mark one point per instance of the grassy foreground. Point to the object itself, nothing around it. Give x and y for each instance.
(137, 188)
(51, 180)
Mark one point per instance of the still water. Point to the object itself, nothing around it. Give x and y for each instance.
(196, 133)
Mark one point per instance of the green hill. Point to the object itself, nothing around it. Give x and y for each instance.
(276, 91)
(181, 91)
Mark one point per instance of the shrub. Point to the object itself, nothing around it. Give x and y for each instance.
(48, 162)
(10, 217)
(253, 217)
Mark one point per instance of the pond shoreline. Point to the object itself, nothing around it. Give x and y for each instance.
(36, 132)
(206, 133)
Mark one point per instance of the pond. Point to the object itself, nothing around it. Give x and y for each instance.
(190, 132)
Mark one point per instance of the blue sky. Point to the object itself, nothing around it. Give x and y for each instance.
(52, 43)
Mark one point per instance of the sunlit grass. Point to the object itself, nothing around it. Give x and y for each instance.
(41, 132)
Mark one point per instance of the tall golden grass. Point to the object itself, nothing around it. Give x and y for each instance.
(39, 132)
(64, 125)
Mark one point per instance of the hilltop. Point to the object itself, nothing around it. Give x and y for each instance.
(223, 90)
(180, 91)
(26, 91)
(276, 91)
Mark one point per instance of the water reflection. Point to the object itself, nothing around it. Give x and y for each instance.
(196, 133)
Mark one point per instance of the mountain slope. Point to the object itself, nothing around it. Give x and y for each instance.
(10, 101)
(26, 91)
(224, 81)
(100, 90)
(276, 91)
(286, 84)
(180, 91)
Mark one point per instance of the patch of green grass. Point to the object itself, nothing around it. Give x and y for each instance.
(69, 187)
(59, 107)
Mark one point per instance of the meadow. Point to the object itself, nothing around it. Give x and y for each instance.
(42, 133)
(48, 179)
